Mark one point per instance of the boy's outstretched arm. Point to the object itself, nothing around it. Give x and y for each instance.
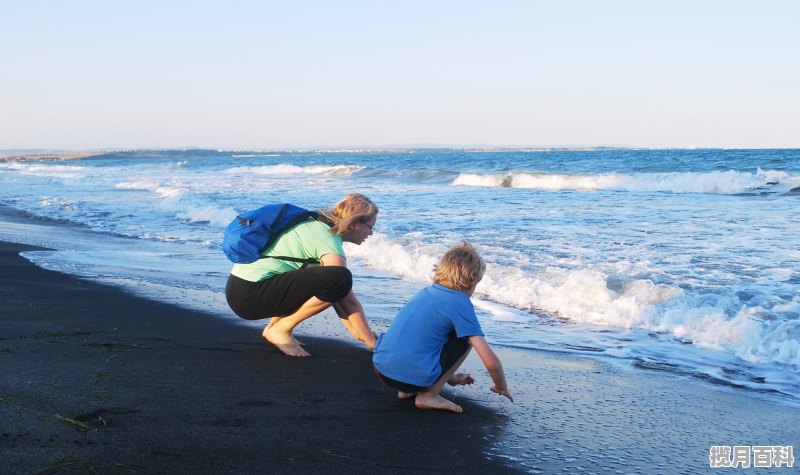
(493, 365)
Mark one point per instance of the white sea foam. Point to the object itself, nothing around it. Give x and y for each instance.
(728, 182)
(498, 312)
(179, 200)
(410, 260)
(594, 297)
(162, 191)
(256, 155)
(581, 295)
(208, 214)
(169, 191)
(284, 169)
(63, 204)
(47, 170)
(144, 185)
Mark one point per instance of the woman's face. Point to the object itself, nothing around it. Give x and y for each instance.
(360, 231)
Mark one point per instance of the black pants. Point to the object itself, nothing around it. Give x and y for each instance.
(285, 293)
(453, 349)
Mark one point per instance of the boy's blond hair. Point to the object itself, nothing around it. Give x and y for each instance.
(348, 211)
(460, 268)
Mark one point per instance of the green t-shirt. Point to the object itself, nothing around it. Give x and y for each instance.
(309, 239)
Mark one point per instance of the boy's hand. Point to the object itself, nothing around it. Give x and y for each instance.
(503, 392)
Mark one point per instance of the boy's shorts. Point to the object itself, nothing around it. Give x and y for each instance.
(452, 351)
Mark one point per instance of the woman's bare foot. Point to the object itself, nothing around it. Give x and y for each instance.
(437, 402)
(460, 379)
(284, 341)
(402, 395)
(272, 322)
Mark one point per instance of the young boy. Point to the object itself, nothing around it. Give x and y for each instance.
(432, 335)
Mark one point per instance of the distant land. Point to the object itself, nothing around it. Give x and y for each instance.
(55, 154)
(49, 154)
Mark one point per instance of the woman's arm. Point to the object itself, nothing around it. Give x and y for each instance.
(493, 365)
(350, 309)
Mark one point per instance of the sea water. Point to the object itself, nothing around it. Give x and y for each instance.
(686, 261)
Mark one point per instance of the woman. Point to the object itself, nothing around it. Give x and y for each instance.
(290, 293)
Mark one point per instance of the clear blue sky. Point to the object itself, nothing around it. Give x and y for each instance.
(79, 74)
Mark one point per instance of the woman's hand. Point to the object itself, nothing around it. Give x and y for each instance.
(351, 314)
(502, 392)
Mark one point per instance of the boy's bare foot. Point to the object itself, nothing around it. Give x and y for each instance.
(460, 379)
(284, 342)
(402, 395)
(437, 402)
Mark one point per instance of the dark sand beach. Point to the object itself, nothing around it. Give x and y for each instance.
(96, 380)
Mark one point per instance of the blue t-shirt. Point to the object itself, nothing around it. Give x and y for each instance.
(409, 351)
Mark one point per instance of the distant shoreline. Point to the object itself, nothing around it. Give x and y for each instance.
(8, 155)
(31, 157)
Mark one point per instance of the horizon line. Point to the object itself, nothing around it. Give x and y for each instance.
(29, 152)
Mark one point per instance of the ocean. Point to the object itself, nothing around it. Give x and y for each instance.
(682, 261)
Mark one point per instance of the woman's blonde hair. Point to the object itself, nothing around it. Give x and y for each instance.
(348, 211)
(461, 267)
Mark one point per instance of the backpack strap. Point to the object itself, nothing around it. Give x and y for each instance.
(305, 262)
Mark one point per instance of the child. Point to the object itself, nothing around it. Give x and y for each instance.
(432, 335)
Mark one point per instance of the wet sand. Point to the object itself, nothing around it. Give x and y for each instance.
(97, 380)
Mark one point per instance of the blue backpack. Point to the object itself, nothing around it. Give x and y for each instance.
(252, 232)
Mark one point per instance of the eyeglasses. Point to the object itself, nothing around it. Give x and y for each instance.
(371, 228)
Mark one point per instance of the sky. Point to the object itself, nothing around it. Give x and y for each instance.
(258, 75)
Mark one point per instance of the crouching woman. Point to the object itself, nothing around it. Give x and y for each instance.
(288, 292)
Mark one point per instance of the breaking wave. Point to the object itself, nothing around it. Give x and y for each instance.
(723, 183)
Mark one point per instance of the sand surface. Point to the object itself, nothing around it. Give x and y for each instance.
(97, 379)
